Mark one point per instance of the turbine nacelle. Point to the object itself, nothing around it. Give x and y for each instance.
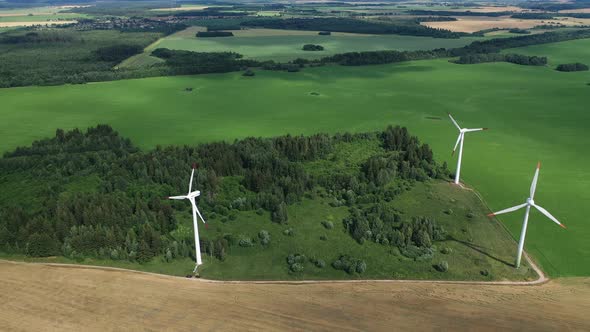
(194, 194)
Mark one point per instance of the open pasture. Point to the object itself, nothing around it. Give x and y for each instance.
(285, 45)
(534, 114)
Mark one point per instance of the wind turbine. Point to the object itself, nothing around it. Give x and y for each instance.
(191, 196)
(460, 140)
(530, 202)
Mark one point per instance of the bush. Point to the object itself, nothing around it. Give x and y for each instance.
(320, 263)
(41, 245)
(484, 273)
(572, 67)
(245, 242)
(312, 47)
(296, 267)
(349, 264)
(264, 237)
(446, 250)
(328, 224)
(324, 33)
(323, 237)
(249, 73)
(442, 266)
(289, 232)
(417, 253)
(260, 211)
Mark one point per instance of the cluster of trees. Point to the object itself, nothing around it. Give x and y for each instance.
(312, 47)
(181, 62)
(381, 57)
(533, 16)
(59, 56)
(349, 264)
(499, 57)
(572, 67)
(215, 33)
(411, 28)
(520, 31)
(435, 19)
(120, 213)
(382, 224)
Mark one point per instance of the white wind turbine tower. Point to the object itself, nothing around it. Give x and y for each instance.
(460, 140)
(530, 202)
(191, 196)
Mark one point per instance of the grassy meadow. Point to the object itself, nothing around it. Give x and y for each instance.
(477, 244)
(285, 45)
(534, 114)
(558, 53)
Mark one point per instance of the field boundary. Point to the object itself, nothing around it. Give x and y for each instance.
(541, 280)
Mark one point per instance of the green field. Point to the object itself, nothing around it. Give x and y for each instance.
(534, 114)
(285, 45)
(559, 53)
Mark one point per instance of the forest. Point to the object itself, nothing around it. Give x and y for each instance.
(97, 195)
(410, 27)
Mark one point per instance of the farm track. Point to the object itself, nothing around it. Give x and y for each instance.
(71, 298)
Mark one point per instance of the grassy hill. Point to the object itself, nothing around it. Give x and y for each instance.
(372, 205)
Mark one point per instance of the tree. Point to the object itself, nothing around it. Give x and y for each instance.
(280, 214)
(41, 245)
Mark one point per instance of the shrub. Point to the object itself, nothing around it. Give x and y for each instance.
(572, 67)
(264, 237)
(417, 253)
(446, 250)
(41, 245)
(312, 47)
(245, 242)
(442, 266)
(328, 224)
(484, 273)
(320, 263)
(249, 73)
(289, 232)
(296, 267)
(361, 267)
(323, 237)
(324, 33)
(349, 264)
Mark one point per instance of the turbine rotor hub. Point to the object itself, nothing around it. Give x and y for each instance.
(530, 201)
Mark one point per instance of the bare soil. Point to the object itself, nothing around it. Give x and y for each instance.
(44, 297)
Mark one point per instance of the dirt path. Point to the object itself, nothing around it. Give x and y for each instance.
(70, 298)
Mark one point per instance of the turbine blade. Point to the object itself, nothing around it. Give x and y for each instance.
(177, 197)
(535, 178)
(190, 184)
(457, 144)
(514, 208)
(548, 215)
(198, 212)
(475, 129)
(454, 122)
